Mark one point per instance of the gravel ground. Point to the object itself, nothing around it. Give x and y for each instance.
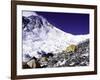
(66, 59)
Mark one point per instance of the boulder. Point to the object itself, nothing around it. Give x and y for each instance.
(43, 61)
(33, 63)
(25, 66)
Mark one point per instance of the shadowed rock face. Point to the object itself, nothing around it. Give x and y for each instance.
(31, 22)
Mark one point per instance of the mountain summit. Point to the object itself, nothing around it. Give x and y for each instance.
(39, 35)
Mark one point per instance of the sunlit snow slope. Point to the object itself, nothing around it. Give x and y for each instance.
(39, 35)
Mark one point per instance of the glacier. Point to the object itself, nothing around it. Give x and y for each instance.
(39, 35)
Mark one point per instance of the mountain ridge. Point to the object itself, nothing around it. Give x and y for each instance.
(40, 35)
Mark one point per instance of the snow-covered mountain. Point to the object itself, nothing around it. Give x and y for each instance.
(39, 35)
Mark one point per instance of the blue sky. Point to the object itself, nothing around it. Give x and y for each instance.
(73, 23)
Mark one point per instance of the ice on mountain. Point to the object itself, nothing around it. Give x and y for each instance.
(39, 35)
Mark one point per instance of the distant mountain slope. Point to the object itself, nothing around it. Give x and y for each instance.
(39, 35)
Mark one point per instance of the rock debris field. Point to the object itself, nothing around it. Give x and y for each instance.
(78, 57)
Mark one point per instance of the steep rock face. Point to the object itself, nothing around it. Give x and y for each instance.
(39, 35)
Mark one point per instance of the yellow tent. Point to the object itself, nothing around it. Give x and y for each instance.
(71, 48)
